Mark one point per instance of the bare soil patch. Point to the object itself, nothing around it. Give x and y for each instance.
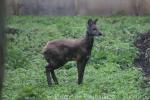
(143, 60)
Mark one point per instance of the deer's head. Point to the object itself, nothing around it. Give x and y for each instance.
(92, 28)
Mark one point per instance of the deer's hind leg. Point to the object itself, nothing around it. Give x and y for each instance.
(54, 76)
(47, 70)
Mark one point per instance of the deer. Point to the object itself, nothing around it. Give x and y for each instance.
(59, 52)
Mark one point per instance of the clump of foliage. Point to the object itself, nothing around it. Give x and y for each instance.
(110, 73)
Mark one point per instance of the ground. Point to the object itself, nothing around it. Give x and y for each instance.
(109, 75)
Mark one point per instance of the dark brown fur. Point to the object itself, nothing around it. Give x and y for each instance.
(59, 52)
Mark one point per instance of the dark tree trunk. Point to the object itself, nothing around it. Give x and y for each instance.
(2, 42)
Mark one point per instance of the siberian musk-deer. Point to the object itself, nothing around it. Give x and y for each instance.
(59, 52)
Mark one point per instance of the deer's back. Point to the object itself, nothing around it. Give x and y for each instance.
(62, 44)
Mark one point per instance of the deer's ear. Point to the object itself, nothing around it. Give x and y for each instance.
(90, 21)
(95, 21)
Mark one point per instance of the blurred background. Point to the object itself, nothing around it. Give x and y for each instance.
(78, 7)
(118, 69)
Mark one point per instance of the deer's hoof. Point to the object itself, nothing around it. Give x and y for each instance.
(79, 83)
(56, 83)
(49, 84)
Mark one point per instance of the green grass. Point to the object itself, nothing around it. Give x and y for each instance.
(110, 73)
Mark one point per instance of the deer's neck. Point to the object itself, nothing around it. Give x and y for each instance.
(89, 40)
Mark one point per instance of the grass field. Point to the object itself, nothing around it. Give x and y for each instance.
(110, 73)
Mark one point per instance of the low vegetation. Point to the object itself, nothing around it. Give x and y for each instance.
(109, 75)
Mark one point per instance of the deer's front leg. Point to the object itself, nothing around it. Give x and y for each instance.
(81, 67)
(47, 70)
